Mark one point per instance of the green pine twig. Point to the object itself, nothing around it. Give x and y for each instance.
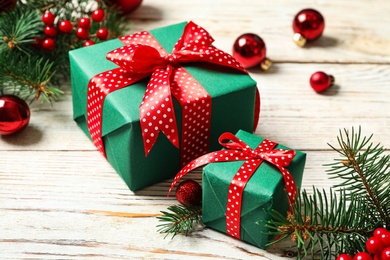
(179, 219)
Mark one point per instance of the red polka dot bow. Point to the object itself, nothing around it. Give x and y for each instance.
(143, 56)
(237, 150)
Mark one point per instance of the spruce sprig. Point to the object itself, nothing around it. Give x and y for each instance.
(326, 225)
(180, 219)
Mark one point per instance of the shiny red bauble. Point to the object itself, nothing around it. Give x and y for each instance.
(189, 192)
(250, 50)
(126, 6)
(48, 44)
(320, 81)
(65, 26)
(344, 257)
(14, 114)
(98, 15)
(308, 25)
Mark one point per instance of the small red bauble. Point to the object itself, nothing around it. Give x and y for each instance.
(379, 231)
(48, 44)
(250, 50)
(50, 31)
(385, 254)
(65, 26)
(189, 192)
(48, 18)
(88, 43)
(308, 25)
(98, 15)
(102, 34)
(362, 256)
(344, 257)
(374, 245)
(14, 114)
(385, 238)
(84, 23)
(127, 6)
(82, 33)
(320, 81)
(37, 43)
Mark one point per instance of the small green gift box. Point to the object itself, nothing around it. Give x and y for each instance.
(265, 190)
(116, 123)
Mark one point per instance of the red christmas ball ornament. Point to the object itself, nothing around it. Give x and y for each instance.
(344, 257)
(320, 81)
(308, 25)
(189, 192)
(50, 31)
(98, 15)
(84, 23)
(88, 43)
(250, 50)
(102, 34)
(127, 6)
(362, 256)
(14, 114)
(65, 26)
(82, 33)
(48, 18)
(48, 44)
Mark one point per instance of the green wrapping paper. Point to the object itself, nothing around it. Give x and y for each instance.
(265, 190)
(233, 104)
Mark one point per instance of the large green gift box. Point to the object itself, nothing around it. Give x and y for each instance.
(233, 108)
(265, 190)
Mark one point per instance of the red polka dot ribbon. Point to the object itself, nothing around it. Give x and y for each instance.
(237, 150)
(143, 56)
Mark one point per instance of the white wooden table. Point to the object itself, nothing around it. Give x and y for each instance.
(59, 199)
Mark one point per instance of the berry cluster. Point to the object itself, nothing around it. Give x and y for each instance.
(67, 27)
(377, 246)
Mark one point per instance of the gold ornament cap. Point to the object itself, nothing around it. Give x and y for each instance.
(265, 64)
(299, 39)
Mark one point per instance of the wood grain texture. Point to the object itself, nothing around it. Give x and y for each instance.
(59, 198)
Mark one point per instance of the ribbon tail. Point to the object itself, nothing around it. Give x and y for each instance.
(157, 111)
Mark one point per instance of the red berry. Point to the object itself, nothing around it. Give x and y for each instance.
(189, 192)
(98, 15)
(82, 33)
(362, 256)
(48, 18)
(320, 81)
(88, 43)
(37, 43)
(385, 254)
(50, 31)
(385, 238)
(65, 26)
(379, 231)
(344, 257)
(48, 44)
(102, 34)
(84, 22)
(374, 245)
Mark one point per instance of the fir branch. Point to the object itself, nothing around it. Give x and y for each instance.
(324, 224)
(179, 219)
(364, 169)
